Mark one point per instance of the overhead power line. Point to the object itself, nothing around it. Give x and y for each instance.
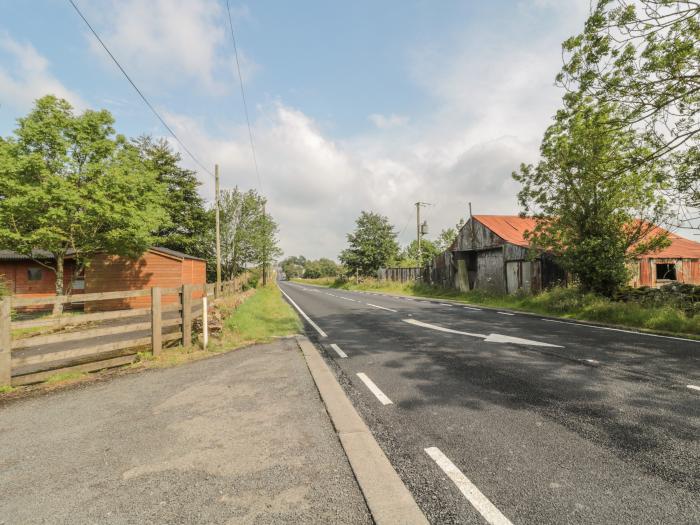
(245, 103)
(143, 97)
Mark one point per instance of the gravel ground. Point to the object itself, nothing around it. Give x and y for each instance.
(240, 438)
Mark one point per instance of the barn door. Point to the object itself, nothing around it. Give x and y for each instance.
(512, 276)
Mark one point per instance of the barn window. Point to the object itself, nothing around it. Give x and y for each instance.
(666, 271)
(34, 274)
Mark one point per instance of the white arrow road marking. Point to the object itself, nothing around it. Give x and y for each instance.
(338, 350)
(491, 338)
(497, 338)
(383, 399)
(480, 502)
(381, 307)
(442, 328)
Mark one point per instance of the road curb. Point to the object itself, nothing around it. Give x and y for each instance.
(387, 497)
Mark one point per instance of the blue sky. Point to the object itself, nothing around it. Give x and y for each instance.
(354, 105)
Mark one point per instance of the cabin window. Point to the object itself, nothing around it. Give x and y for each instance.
(34, 274)
(666, 271)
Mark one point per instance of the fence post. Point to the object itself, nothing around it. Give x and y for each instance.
(205, 323)
(156, 321)
(186, 315)
(5, 343)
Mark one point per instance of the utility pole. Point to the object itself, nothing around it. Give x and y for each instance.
(217, 291)
(264, 268)
(419, 230)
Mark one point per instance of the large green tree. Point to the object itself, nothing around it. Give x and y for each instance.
(371, 246)
(409, 256)
(293, 266)
(190, 227)
(644, 57)
(70, 186)
(322, 267)
(596, 205)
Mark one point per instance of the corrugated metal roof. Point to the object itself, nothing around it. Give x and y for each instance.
(512, 228)
(175, 253)
(9, 255)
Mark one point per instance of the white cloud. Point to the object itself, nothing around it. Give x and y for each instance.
(388, 121)
(29, 77)
(183, 42)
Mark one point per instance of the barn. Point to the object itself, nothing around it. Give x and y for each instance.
(491, 253)
(162, 267)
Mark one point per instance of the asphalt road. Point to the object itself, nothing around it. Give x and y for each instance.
(599, 426)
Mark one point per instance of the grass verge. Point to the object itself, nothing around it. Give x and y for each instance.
(567, 303)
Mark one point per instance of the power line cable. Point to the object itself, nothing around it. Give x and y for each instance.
(143, 97)
(245, 103)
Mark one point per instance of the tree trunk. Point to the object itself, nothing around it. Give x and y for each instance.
(57, 307)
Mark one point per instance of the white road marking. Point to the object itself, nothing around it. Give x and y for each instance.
(505, 313)
(441, 328)
(383, 399)
(303, 314)
(593, 361)
(621, 330)
(471, 308)
(480, 502)
(338, 350)
(491, 338)
(381, 307)
(693, 387)
(446, 304)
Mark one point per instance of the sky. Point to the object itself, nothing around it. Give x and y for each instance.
(354, 106)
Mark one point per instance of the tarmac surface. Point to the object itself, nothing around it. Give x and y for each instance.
(242, 438)
(495, 417)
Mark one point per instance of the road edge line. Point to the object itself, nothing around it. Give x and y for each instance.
(388, 499)
(303, 314)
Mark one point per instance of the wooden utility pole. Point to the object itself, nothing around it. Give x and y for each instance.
(217, 290)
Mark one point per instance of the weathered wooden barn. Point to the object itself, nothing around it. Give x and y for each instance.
(491, 253)
(162, 267)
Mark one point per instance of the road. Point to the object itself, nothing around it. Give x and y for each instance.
(494, 417)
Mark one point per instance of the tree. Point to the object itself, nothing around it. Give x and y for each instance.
(321, 268)
(371, 246)
(448, 235)
(596, 205)
(248, 235)
(644, 57)
(409, 256)
(69, 186)
(293, 266)
(190, 227)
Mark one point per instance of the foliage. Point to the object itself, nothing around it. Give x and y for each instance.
(248, 233)
(644, 55)
(69, 185)
(321, 268)
(596, 207)
(448, 235)
(293, 266)
(262, 317)
(409, 256)
(190, 226)
(371, 246)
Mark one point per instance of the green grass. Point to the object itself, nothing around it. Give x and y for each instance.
(568, 303)
(262, 317)
(61, 377)
(5, 389)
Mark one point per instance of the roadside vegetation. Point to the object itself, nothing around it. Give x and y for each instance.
(567, 303)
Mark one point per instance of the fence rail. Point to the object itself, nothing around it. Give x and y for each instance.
(402, 275)
(88, 348)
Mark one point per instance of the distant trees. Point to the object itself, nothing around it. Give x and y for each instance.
(372, 245)
(302, 267)
(70, 185)
(409, 255)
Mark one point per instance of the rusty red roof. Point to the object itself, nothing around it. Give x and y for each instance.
(512, 228)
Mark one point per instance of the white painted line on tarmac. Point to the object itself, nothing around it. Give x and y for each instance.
(471, 308)
(480, 502)
(621, 330)
(593, 361)
(303, 314)
(338, 350)
(505, 313)
(381, 307)
(693, 387)
(446, 304)
(442, 328)
(383, 399)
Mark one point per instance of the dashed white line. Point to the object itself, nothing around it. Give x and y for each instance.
(338, 350)
(593, 361)
(471, 308)
(446, 304)
(505, 313)
(383, 399)
(303, 314)
(693, 387)
(480, 502)
(381, 307)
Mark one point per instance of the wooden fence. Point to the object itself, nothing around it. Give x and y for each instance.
(402, 275)
(104, 339)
